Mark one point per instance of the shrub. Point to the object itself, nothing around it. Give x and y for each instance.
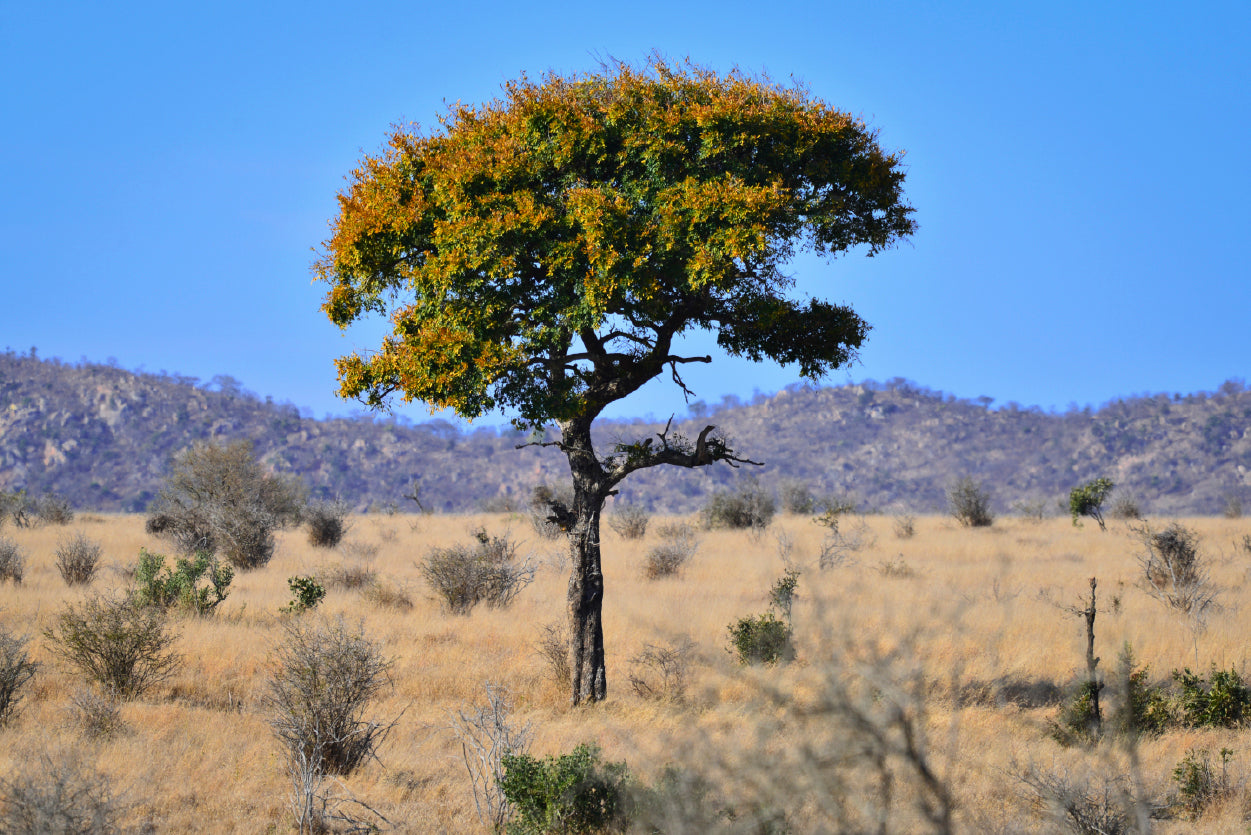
(1125, 505)
(486, 572)
(1144, 708)
(118, 644)
(58, 798)
(1221, 701)
(351, 576)
(327, 523)
(486, 735)
(12, 561)
(77, 559)
(629, 521)
(1198, 783)
(782, 595)
(904, 525)
(306, 593)
(53, 509)
(569, 793)
(668, 557)
(762, 639)
(324, 679)
(16, 670)
(796, 497)
(220, 499)
(1087, 500)
(969, 503)
(553, 648)
(750, 506)
(165, 588)
(1034, 510)
(1232, 508)
(16, 506)
(660, 672)
(1173, 568)
(96, 714)
(387, 594)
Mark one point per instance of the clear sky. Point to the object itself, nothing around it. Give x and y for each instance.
(1079, 170)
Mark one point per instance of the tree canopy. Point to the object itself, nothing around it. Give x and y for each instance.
(541, 252)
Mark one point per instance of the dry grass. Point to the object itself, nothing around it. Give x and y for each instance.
(977, 623)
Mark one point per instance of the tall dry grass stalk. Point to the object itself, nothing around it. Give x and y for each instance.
(944, 677)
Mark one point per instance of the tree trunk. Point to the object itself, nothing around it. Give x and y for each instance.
(586, 579)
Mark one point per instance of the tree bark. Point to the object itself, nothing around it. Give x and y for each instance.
(586, 579)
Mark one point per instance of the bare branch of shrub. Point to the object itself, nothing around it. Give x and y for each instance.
(660, 672)
(97, 715)
(60, 797)
(325, 677)
(16, 670)
(327, 523)
(486, 734)
(629, 521)
(116, 643)
(1174, 570)
(77, 559)
(666, 559)
(486, 572)
(12, 561)
(969, 503)
(553, 648)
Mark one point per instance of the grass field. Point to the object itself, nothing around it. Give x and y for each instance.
(958, 637)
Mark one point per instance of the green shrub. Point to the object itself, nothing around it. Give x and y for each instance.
(761, 639)
(750, 506)
(1198, 783)
(1222, 701)
(1087, 500)
(306, 594)
(782, 595)
(117, 643)
(16, 670)
(165, 588)
(1144, 708)
(571, 793)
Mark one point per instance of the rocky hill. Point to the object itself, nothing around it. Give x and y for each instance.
(103, 437)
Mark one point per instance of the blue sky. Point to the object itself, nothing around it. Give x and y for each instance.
(1079, 171)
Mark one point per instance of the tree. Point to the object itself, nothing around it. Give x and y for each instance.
(544, 252)
(1087, 500)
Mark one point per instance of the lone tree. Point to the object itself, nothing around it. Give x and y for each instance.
(542, 252)
(1087, 500)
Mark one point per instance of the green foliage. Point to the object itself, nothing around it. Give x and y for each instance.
(571, 793)
(117, 643)
(1221, 701)
(1198, 783)
(1144, 708)
(508, 244)
(1087, 500)
(782, 595)
(749, 506)
(761, 639)
(969, 503)
(179, 587)
(1079, 721)
(306, 594)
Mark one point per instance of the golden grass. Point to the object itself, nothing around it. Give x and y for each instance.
(972, 610)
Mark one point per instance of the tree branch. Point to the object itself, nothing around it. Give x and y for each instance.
(674, 449)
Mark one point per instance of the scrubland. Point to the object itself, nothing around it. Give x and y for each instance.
(928, 671)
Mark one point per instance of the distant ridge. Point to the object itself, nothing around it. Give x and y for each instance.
(103, 437)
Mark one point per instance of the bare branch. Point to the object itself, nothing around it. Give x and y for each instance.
(673, 449)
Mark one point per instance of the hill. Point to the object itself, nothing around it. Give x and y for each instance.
(103, 437)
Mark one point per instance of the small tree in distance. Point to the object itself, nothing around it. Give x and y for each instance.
(969, 503)
(546, 251)
(1087, 500)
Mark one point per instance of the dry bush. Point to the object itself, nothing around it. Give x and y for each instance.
(969, 503)
(387, 595)
(53, 509)
(16, 670)
(325, 676)
(349, 576)
(843, 542)
(904, 525)
(666, 559)
(1087, 806)
(97, 715)
(77, 559)
(1035, 510)
(58, 797)
(487, 572)
(327, 523)
(796, 496)
(661, 672)
(117, 643)
(1173, 568)
(1125, 505)
(629, 521)
(362, 551)
(219, 498)
(553, 648)
(12, 561)
(750, 506)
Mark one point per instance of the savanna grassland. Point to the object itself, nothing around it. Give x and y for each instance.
(928, 671)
